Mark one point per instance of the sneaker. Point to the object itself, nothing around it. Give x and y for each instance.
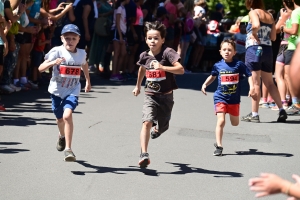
(2, 108)
(33, 85)
(61, 144)
(92, 68)
(245, 118)
(250, 118)
(218, 151)
(22, 86)
(282, 116)
(144, 160)
(264, 105)
(7, 88)
(293, 110)
(116, 77)
(15, 88)
(272, 104)
(276, 107)
(69, 156)
(154, 134)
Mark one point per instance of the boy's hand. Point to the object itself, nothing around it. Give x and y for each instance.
(136, 91)
(203, 89)
(252, 94)
(58, 61)
(88, 86)
(156, 65)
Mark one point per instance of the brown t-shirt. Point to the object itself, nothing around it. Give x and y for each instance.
(158, 81)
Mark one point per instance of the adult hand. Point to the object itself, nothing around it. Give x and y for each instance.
(255, 38)
(60, 6)
(69, 6)
(252, 94)
(266, 184)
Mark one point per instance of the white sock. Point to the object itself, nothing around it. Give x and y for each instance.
(61, 136)
(68, 149)
(15, 81)
(23, 80)
(254, 114)
(95, 9)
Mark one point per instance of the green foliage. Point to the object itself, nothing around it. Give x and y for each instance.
(238, 8)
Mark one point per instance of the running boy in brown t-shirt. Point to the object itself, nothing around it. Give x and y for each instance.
(158, 64)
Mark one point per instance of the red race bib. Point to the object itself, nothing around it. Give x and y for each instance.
(69, 71)
(155, 75)
(229, 79)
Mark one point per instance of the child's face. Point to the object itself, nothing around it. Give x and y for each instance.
(70, 41)
(227, 52)
(154, 40)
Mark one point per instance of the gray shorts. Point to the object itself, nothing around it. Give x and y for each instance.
(158, 109)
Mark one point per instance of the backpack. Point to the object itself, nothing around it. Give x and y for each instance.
(188, 24)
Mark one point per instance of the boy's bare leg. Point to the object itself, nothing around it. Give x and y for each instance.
(68, 128)
(219, 128)
(145, 135)
(61, 126)
(234, 120)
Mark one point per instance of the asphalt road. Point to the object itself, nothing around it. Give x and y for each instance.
(106, 144)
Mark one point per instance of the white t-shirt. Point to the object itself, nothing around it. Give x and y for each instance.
(240, 41)
(123, 23)
(66, 76)
(198, 10)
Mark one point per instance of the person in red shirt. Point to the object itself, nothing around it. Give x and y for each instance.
(37, 53)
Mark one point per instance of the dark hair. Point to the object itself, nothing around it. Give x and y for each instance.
(297, 2)
(289, 4)
(152, 5)
(118, 3)
(254, 4)
(157, 26)
(229, 41)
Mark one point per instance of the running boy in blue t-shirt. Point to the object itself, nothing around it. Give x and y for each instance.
(227, 96)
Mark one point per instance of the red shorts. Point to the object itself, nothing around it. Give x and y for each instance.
(232, 109)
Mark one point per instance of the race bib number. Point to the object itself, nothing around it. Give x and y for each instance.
(69, 71)
(155, 75)
(229, 79)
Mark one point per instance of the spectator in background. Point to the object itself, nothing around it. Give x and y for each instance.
(235, 28)
(100, 43)
(218, 14)
(188, 27)
(170, 21)
(118, 36)
(240, 41)
(84, 20)
(149, 8)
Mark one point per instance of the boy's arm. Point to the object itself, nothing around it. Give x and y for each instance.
(141, 75)
(176, 69)
(85, 69)
(207, 82)
(47, 64)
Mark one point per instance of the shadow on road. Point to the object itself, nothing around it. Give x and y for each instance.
(185, 169)
(6, 150)
(23, 121)
(260, 153)
(101, 170)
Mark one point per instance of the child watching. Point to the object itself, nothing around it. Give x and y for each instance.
(240, 41)
(37, 53)
(67, 62)
(159, 64)
(227, 96)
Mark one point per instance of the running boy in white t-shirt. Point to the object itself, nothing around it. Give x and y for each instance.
(67, 62)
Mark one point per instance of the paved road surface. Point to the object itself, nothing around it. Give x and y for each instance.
(106, 143)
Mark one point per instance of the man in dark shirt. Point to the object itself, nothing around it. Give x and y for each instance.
(218, 14)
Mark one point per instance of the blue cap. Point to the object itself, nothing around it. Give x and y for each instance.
(161, 11)
(70, 28)
(219, 6)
